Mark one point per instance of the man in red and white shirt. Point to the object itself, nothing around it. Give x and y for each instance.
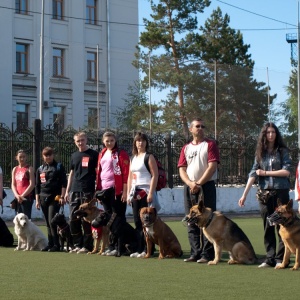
(197, 165)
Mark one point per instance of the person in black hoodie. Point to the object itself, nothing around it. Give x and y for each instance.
(51, 183)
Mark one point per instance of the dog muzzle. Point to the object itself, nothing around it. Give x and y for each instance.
(188, 221)
(275, 219)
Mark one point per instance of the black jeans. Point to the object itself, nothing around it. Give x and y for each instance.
(25, 207)
(49, 208)
(81, 230)
(200, 246)
(270, 232)
(136, 207)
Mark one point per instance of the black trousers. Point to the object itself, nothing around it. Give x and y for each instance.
(25, 207)
(136, 207)
(270, 232)
(81, 230)
(49, 209)
(200, 246)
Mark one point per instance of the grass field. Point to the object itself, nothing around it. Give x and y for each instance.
(40, 275)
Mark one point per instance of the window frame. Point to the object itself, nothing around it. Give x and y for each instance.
(58, 5)
(22, 59)
(91, 66)
(91, 13)
(92, 120)
(58, 63)
(21, 7)
(22, 115)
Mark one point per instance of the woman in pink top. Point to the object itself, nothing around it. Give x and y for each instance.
(22, 184)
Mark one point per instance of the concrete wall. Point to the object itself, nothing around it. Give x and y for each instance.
(171, 201)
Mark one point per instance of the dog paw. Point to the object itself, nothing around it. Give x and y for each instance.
(212, 262)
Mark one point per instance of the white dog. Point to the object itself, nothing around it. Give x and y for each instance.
(30, 237)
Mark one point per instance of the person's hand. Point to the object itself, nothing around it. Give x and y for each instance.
(67, 200)
(260, 172)
(37, 205)
(194, 187)
(242, 201)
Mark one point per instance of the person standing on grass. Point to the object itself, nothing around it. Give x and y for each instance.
(197, 165)
(81, 188)
(51, 182)
(22, 184)
(272, 167)
(112, 175)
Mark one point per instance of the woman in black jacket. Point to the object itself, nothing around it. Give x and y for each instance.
(51, 183)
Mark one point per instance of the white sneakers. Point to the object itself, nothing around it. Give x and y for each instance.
(111, 253)
(138, 255)
(79, 250)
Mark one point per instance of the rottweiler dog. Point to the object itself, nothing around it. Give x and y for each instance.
(289, 231)
(88, 211)
(63, 230)
(223, 233)
(122, 233)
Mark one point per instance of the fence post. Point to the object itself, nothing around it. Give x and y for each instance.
(169, 161)
(37, 137)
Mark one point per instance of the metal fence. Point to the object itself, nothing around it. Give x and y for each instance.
(236, 153)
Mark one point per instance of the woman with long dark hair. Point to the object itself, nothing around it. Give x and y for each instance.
(272, 167)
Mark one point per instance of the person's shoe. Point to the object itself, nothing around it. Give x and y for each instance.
(264, 265)
(82, 251)
(142, 255)
(190, 259)
(135, 254)
(105, 252)
(75, 250)
(202, 260)
(112, 253)
(54, 249)
(46, 248)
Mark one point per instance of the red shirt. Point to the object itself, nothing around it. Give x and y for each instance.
(22, 179)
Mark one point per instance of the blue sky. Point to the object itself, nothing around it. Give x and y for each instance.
(264, 25)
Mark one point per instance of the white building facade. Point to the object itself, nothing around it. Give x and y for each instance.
(53, 54)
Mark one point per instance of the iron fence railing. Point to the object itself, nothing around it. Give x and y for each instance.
(236, 153)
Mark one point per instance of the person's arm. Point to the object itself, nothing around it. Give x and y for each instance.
(14, 185)
(209, 172)
(129, 183)
(70, 180)
(1, 188)
(154, 177)
(249, 184)
(31, 183)
(184, 177)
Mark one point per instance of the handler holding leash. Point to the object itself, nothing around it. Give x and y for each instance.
(197, 165)
(81, 187)
(272, 166)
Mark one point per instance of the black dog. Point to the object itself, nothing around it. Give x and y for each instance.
(63, 230)
(122, 233)
(6, 238)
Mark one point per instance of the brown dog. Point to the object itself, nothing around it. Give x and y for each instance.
(89, 212)
(159, 233)
(289, 232)
(223, 233)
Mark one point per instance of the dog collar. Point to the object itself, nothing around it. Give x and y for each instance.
(209, 220)
(112, 218)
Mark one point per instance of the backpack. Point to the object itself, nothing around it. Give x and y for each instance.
(162, 177)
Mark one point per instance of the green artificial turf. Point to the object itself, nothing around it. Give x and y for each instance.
(42, 275)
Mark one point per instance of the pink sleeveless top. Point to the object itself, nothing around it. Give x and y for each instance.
(22, 179)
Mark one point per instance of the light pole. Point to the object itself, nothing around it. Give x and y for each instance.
(41, 94)
(150, 110)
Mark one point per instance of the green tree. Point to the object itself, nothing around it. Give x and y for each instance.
(172, 21)
(242, 102)
(136, 113)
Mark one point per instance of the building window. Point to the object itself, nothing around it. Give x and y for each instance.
(91, 66)
(91, 16)
(92, 118)
(22, 115)
(22, 58)
(58, 62)
(22, 7)
(59, 118)
(57, 9)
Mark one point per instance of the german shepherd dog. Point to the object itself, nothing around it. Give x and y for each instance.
(223, 233)
(289, 231)
(89, 212)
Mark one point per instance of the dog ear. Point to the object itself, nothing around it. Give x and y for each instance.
(16, 220)
(201, 195)
(201, 206)
(290, 204)
(279, 203)
(92, 202)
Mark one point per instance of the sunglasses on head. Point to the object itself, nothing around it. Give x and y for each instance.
(200, 126)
